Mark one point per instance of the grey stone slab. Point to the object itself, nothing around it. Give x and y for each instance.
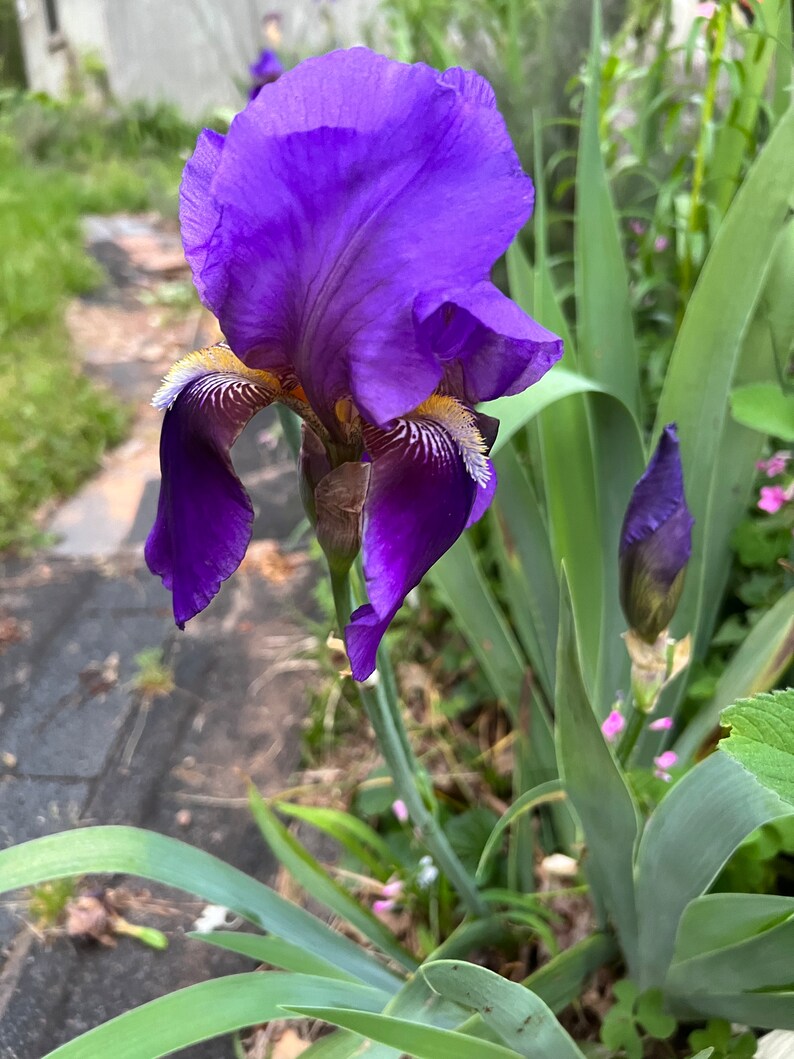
(59, 723)
(242, 681)
(29, 808)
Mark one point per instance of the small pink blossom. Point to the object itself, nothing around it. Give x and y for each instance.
(393, 888)
(706, 10)
(613, 725)
(661, 243)
(664, 762)
(382, 907)
(775, 465)
(637, 227)
(400, 810)
(661, 724)
(773, 497)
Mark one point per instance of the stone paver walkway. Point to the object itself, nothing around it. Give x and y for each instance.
(77, 743)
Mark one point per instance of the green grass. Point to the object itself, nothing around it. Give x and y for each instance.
(58, 162)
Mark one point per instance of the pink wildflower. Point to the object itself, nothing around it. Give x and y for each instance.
(613, 725)
(381, 907)
(400, 810)
(661, 724)
(775, 465)
(661, 243)
(773, 497)
(664, 762)
(393, 888)
(706, 10)
(637, 227)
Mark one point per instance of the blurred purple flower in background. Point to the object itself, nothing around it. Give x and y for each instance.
(343, 234)
(655, 542)
(264, 71)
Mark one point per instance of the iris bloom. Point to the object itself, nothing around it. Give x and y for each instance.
(343, 234)
(655, 542)
(264, 71)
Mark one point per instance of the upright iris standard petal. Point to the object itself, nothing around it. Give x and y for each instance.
(204, 515)
(655, 542)
(426, 475)
(343, 211)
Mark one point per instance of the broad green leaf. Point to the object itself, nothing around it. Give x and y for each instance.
(315, 880)
(762, 1010)
(520, 1018)
(716, 921)
(603, 307)
(131, 851)
(759, 662)
(766, 408)
(357, 837)
(566, 452)
(597, 790)
(704, 359)
(733, 476)
(682, 850)
(619, 464)
(460, 580)
(274, 951)
(422, 1042)
(515, 412)
(528, 574)
(521, 278)
(544, 793)
(209, 1010)
(762, 739)
(560, 981)
(762, 961)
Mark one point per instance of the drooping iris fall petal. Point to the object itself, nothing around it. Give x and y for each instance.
(204, 515)
(426, 475)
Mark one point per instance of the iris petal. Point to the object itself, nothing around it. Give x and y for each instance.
(489, 348)
(332, 205)
(204, 515)
(420, 498)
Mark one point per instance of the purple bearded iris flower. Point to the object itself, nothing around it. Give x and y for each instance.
(655, 542)
(343, 234)
(264, 71)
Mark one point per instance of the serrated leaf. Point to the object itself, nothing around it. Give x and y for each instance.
(763, 657)
(762, 739)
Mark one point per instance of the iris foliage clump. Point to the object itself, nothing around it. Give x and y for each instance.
(588, 586)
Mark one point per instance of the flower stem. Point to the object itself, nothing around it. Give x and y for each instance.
(382, 707)
(636, 721)
(694, 223)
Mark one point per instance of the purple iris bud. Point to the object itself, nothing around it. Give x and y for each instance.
(343, 233)
(264, 71)
(655, 542)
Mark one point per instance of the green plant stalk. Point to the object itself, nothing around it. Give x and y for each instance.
(634, 727)
(383, 711)
(698, 176)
